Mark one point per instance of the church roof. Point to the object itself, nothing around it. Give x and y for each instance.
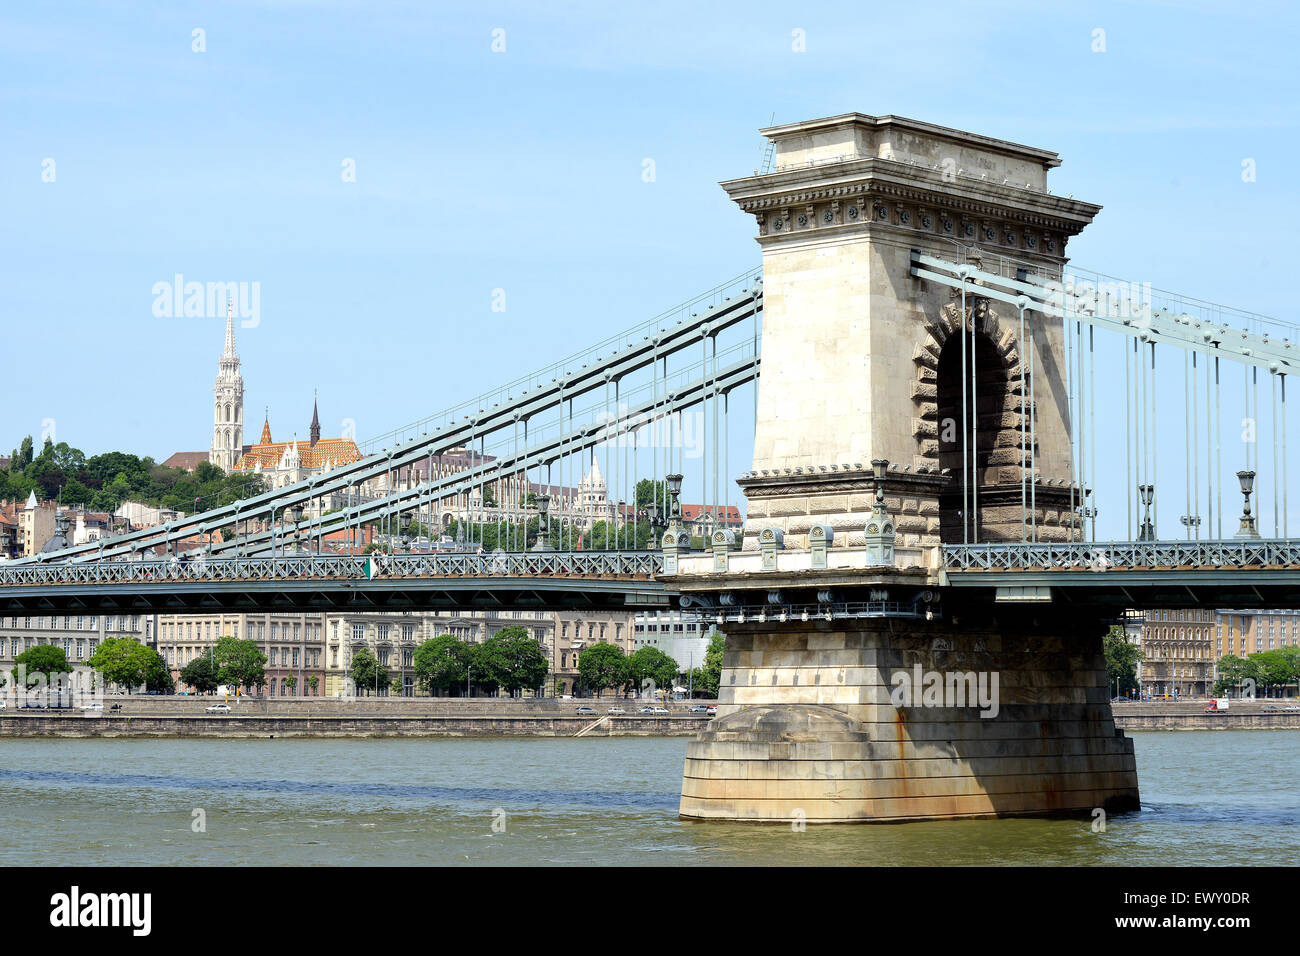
(266, 434)
(189, 460)
(328, 452)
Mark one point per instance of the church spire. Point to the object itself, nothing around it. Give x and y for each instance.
(266, 428)
(227, 402)
(230, 329)
(315, 421)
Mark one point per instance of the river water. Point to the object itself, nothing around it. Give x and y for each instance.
(1208, 797)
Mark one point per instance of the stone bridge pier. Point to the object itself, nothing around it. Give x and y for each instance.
(855, 685)
(981, 712)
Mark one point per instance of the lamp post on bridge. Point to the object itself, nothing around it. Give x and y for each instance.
(1190, 522)
(674, 485)
(1247, 528)
(651, 513)
(1147, 493)
(1086, 514)
(543, 522)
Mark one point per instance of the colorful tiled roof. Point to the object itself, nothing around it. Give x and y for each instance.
(328, 452)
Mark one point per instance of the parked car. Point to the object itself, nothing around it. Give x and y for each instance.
(699, 708)
(585, 711)
(711, 710)
(1292, 707)
(648, 709)
(617, 711)
(2, 705)
(94, 705)
(115, 708)
(219, 709)
(1270, 708)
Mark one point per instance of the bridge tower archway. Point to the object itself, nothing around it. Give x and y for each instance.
(978, 420)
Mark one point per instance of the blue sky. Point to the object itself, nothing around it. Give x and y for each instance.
(522, 171)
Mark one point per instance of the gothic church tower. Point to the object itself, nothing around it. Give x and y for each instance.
(228, 403)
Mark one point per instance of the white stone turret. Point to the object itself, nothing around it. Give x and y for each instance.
(227, 402)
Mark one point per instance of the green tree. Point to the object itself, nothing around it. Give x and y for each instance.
(1122, 657)
(313, 682)
(44, 660)
(124, 661)
(601, 666)
(1278, 667)
(367, 676)
(708, 678)
(159, 676)
(239, 662)
(291, 682)
(1233, 671)
(440, 664)
(483, 671)
(513, 659)
(651, 664)
(201, 674)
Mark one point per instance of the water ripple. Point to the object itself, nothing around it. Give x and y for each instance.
(582, 798)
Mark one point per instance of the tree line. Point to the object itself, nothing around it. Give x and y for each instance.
(102, 482)
(1268, 669)
(511, 660)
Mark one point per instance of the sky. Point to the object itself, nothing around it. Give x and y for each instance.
(381, 170)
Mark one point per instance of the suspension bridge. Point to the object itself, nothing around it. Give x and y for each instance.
(933, 474)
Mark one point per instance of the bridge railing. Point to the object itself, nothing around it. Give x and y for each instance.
(1118, 555)
(532, 564)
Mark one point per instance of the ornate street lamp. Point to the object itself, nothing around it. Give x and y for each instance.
(543, 523)
(656, 523)
(1247, 528)
(297, 519)
(1147, 493)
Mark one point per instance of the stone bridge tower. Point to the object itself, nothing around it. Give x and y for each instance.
(858, 684)
(869, 358)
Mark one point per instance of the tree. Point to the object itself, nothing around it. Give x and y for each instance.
(201, 674)
(40, 664)
(602, 665)
(440, 664)
(159, 676)
(651, 664)
(312, 683)
(483, 667)
(1234, 671)
(291, 682)
(366, 673)
(124, 661)
(239, 662)
(1276, 668)
(708, 678)
(513, 659)
(1122, 656)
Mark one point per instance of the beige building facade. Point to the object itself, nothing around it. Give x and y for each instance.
(293, 643)
(1177, 653)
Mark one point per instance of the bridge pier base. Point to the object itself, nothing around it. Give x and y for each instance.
(860, 721)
